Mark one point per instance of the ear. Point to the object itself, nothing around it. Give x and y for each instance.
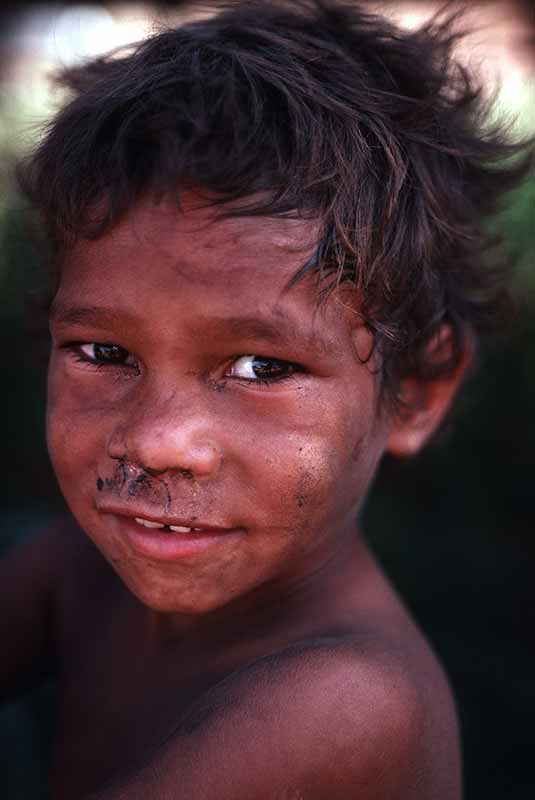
(426, 402)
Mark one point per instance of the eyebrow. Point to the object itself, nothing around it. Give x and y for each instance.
(282, 330)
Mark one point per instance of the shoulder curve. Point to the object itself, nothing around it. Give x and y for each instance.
(318, 719)
(352, 714)
(306, 667)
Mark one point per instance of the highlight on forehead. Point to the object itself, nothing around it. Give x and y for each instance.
(190, 212)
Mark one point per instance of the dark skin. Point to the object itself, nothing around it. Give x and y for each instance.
(263, 655)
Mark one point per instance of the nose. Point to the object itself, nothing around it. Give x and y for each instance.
(169, 436)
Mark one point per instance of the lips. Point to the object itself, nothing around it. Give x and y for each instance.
(151, 521)
(165, 538)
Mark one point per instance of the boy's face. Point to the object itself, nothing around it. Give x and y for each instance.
(188, 388)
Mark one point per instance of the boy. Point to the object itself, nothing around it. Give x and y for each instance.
(268, 273)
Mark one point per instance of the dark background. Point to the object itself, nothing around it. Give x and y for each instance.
(453, 528)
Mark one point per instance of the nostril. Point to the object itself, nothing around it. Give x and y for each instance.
(155, 473)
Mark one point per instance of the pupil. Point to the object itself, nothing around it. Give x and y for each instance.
(264, 368)
(109, 352)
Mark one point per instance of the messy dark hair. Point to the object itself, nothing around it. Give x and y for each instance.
(311, 108)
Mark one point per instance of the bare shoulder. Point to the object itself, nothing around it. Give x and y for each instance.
(360, 718)
(329, 718)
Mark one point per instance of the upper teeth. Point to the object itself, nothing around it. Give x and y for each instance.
(150, 524)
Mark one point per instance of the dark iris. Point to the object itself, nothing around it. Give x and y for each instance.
(110, 352)
(270, 368)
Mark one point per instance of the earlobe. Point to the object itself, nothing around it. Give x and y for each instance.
(413, 428)
(426, 402)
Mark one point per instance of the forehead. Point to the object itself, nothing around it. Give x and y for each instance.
(163, 261)
(198, 244)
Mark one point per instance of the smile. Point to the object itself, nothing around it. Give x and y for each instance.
(153, 539)
(148, 523)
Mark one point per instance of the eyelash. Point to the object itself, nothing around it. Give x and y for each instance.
(75, 349)
(269, 381)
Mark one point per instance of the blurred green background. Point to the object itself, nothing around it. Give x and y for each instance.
(454, 528)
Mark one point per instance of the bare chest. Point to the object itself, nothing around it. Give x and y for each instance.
(120, 697)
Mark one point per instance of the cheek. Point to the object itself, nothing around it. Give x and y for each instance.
(327, 482)
(337, 460)
(318, 467)
(312, 475)
(75, 427)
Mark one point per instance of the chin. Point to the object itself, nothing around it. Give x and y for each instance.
(166, 601)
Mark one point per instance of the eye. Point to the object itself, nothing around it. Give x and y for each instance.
(103, 354)
(260, 369)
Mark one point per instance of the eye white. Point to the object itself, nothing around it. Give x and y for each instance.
(243, 368)
(89, 351)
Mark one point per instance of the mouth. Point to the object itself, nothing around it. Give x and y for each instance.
(167, 539)
(175, 528)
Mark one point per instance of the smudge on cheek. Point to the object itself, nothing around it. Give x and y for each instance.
(330, 475)
(314, 479)
(308, 491)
